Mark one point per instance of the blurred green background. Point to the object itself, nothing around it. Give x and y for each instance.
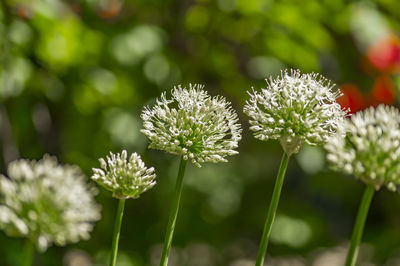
(75, 75)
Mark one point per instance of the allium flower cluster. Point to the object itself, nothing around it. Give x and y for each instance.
(295, 109)
(371, 149)
(47, 202)
(193, 124)
(125, 178)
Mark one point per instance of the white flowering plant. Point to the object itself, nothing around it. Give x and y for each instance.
(126, 177)
(196, 126)
(370, 151)
(47, 203)
(193, 124)
(294, 109)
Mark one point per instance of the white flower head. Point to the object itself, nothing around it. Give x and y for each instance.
(295, 109)
(47, 202)
(371, 149)
(193, 124)
(124, 177)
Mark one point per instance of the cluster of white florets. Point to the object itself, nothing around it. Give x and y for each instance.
(193, 124)
(47, 202)
(125, 178)
(371, 149)
(295, 109)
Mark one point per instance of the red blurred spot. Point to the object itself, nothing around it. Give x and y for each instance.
(23, 11)
(384, 90)
(352, 98)
(384, 55)
(112, 9)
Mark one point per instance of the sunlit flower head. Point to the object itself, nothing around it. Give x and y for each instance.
(124, 177)
(371, 149)
(47, 202)
(193, 124)
(295, 109)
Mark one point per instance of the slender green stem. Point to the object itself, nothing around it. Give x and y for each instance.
(359, 225)
(29, 253)
(117, 229)
(174, 213)
(272, 210)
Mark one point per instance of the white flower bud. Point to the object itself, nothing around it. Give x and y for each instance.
(124, 178)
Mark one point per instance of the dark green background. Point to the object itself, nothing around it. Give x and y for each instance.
(75, 76)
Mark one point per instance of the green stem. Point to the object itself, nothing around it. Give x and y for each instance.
(359, 225)
(117, 229)
(272, 210)
(174, 213)
(29, 253)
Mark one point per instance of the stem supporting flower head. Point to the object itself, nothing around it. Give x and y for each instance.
(169, 234)
(125, 178)
(359, 225)
(272, 210)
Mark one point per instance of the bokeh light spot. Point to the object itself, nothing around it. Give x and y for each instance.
(290, 231)
(311, 159)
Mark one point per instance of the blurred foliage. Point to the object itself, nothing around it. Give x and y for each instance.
(75, 75)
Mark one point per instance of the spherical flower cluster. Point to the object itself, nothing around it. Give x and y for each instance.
(47, 202)
(295, 109)
(193, 124)
(371, 149)
(125, 178)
